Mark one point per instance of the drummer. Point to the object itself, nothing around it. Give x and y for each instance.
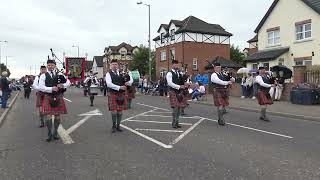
(131, 90)
(92, 83)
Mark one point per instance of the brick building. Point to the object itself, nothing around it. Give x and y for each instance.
(192, 42)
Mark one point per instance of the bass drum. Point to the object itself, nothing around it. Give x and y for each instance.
(135, 76)
(94, 89)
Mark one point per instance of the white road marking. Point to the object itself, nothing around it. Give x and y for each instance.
(158, 130)
(153, 107)
(87, 115)
(67, 99)
(156, 112)
(253, 129)
(181, 117)
(66, 139)
(138, 115)
(186, 132)
(157, 122)
(78, 124)
(147, 137)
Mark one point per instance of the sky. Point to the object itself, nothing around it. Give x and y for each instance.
(32, 27)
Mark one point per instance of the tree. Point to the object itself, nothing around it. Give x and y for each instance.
(140, 61)
(4, 68)
(236, 54)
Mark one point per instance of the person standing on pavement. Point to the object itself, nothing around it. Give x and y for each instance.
(264, 97)
(53, 85)
(280, 86)
(5, 89)
(249, 85)
(117, 99)
(176, 85)
(27, 87)
(221, 84)
(39, 94)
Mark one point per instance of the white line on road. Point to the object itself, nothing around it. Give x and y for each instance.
(187, 132)
(152, 107)
(253, 129)
(138, 115)
(147, 137)
(182, 117)
(66, 139)
(157, 122)
(158, 130)
(78, 124)
(67, 99)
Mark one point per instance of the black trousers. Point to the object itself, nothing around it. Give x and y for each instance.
(27, 93)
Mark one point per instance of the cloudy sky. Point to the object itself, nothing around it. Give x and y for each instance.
(32, 27)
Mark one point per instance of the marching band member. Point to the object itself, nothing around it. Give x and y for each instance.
(40, 95)
(220, 95)
(176, 84)
(92, 83)
(264, 97)
(117, 100)
(53, 85)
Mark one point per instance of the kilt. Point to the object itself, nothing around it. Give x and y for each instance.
(46, 108)
(221, 97)
(174, 103)
(39, 100)
(264, 98)
(131, 95)
(112, 101)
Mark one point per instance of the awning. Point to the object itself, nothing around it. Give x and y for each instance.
(266, 55)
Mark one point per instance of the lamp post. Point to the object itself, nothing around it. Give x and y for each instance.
(149, 38)
(78, 49)
(0, 55)
(7, 62)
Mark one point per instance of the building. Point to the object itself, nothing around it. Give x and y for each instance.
(89, 65)
(97, 66)
(123, 53)
(192, 42)
(253, 46)
(288, 34)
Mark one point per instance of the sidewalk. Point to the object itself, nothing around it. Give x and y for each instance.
(4, 112)
(279, 108)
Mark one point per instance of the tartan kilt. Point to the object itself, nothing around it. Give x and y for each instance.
(263, 98)
(112, 101)
(221, 97)
(40, 98)
(46, 108)
(131, 95)
(174, 103)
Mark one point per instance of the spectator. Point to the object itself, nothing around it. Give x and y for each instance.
(273, 81)
(280, 86)
(255, 86)
(5, 89)
(249, 85)
(205, 79)
(198, 78)
(145, 85)
(198, 91)
(163, 86)
(243, 86)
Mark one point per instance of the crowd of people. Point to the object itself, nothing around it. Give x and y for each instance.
(249, 87)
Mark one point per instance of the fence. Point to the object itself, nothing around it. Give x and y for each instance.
(312, 77)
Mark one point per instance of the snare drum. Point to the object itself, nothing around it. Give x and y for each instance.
(135, 76)
(94, 89)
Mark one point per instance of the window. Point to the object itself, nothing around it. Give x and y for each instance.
(303, 31)
(266, 65)
(274, 37)
(173, 54)
(195, 64)
(172, 33)
(162, 37)
(163, 55)
(304, 63)
(123, 54)
(254, 66)
(281, 61)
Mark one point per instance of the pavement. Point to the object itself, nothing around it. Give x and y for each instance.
(10, 103)
(245, 149)
(280, 108)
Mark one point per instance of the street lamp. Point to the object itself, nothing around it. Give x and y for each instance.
(7, 62)
(149, 39)
(78, 49)
(0, 55)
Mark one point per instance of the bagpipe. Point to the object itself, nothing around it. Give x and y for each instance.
(58, 79)
(124, 73)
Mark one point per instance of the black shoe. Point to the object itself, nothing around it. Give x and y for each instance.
(41, 125)
(91, 104)
(175, 126)
(56, 137)
(178, 126)
(221, 122)
(49, 139)
(264, 119)
(118, 129)
(113, 130)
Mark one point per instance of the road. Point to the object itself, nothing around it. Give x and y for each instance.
(246, 148)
